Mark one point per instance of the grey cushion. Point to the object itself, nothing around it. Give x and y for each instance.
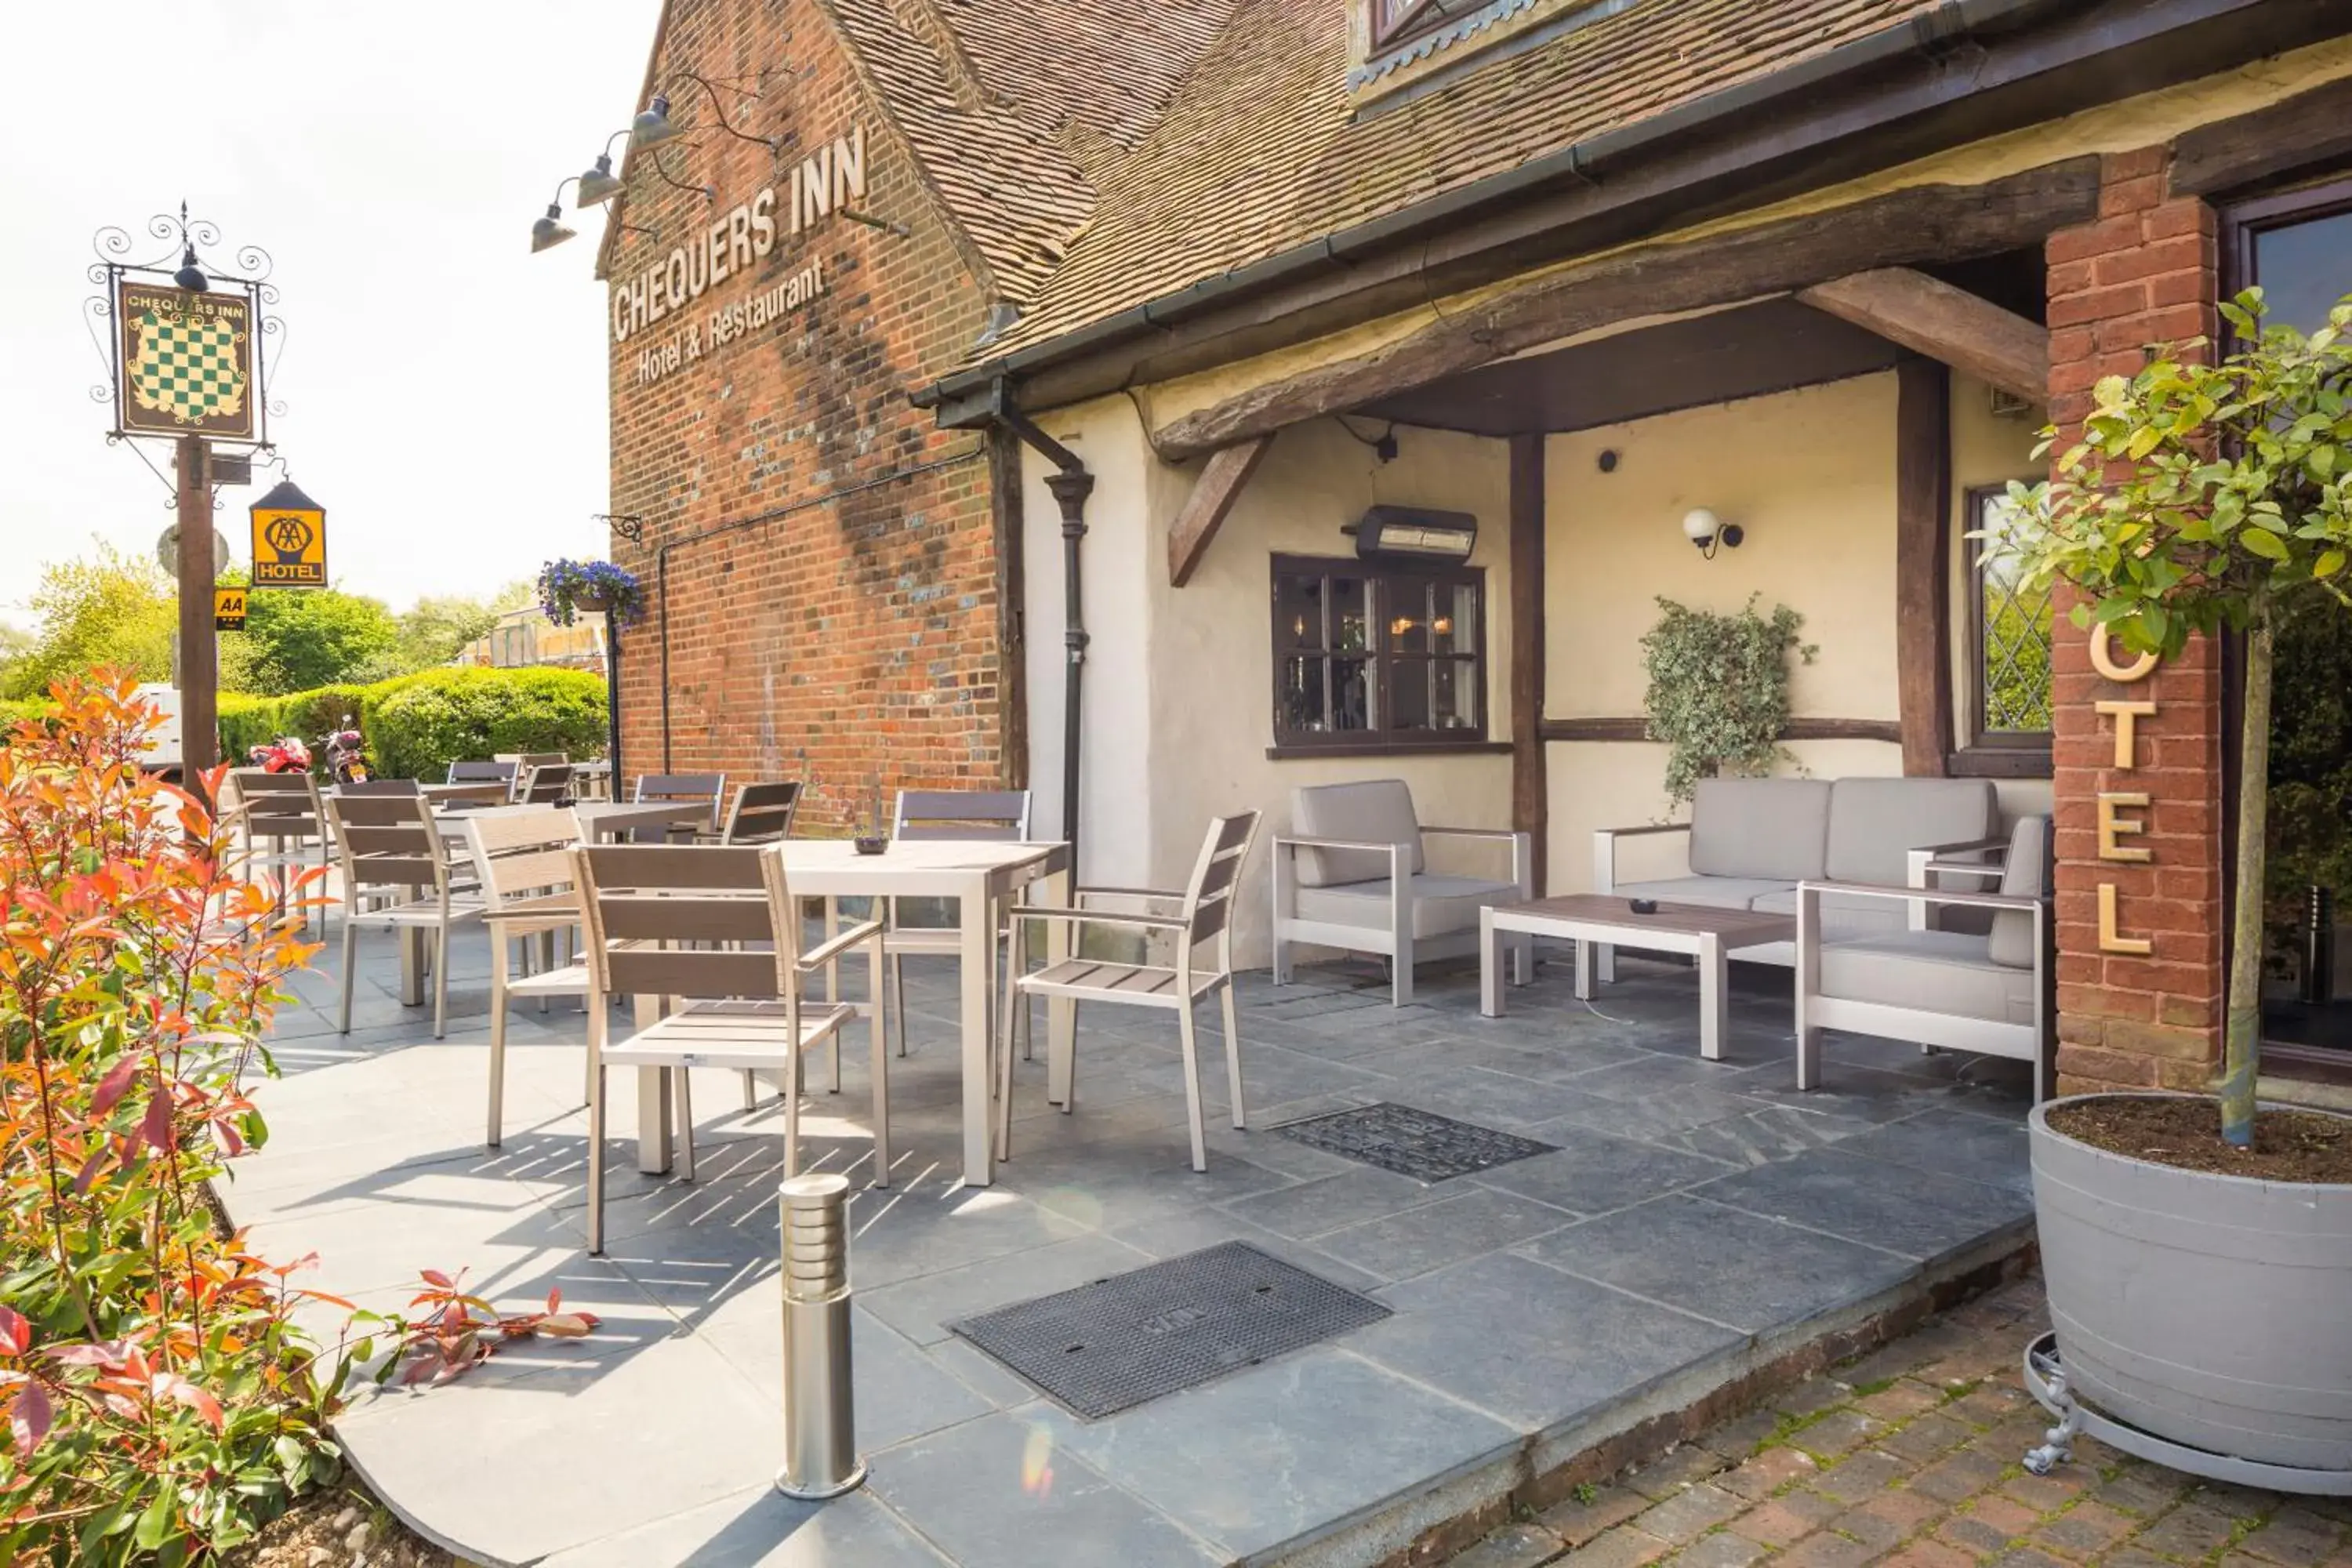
(1930, 971)
(1873, 821)
(2025, 874)
(1375, 811)
(1776, 829)
(1715, 893)
(1843, 914)
(1441, 905)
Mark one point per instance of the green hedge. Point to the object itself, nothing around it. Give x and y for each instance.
(12, 709)
(416, 725)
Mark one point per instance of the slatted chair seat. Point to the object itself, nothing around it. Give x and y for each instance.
(1203, 912)
(1144, 985)
(744, 984)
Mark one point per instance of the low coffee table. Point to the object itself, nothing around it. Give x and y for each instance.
(1708, 934)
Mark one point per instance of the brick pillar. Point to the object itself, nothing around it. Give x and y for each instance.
(2134, 1016)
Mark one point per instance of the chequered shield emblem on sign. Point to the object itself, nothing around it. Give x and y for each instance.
(186, 367)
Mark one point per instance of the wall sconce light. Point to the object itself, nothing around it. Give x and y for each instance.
(550, 230)
(598, 184)
(1702, 527)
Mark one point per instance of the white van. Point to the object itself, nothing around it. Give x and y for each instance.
(162, 752)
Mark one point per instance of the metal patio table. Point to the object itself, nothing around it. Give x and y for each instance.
(1707, 933)
(979, 876)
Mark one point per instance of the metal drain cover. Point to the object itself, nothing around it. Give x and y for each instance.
(1117, 1342)
(1417, 1143)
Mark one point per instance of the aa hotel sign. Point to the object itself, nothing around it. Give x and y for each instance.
(737, 244)
(2113, 826)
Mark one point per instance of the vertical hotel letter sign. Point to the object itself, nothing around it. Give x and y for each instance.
(2114, 826)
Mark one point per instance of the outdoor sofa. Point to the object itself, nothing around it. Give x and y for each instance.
(1751, 841)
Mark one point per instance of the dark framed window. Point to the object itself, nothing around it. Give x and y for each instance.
(1373, 657)
(2009, 634)
(2294, 244)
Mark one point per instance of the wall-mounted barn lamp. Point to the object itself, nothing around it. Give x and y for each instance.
(549, 231)
(653, 126)
(1703, 529)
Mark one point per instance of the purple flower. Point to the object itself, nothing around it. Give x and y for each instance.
(566, 588)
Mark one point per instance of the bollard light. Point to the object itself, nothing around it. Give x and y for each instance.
(820, 1416)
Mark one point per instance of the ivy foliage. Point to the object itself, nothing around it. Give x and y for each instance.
(1718, 692)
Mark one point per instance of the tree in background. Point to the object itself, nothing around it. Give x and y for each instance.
(295, 639)
(438, 627)
(111, 609)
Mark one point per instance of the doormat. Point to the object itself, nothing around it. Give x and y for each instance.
(1121, 1342)
(1417, 1143)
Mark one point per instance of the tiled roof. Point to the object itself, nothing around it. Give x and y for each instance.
(1264, 148)
(1019, 109)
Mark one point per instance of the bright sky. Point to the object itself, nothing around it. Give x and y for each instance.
(444, 389)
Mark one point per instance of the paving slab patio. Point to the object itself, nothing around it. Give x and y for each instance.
(1694, 1221)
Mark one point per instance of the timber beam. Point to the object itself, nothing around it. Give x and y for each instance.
(1903, 228)
(1967, 333)
(1213, 494)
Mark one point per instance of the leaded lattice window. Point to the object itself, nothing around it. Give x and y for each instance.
(2010, 633)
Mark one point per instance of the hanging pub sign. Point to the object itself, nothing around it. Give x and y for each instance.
(290, 540)
(186, 362)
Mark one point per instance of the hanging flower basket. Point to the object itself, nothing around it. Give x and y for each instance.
(568, 589)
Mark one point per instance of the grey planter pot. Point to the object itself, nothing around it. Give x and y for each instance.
(2214, 1311)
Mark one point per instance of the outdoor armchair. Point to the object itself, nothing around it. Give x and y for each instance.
(1203, 912)
(281, 826)
(1987, 993)
(1353, 874)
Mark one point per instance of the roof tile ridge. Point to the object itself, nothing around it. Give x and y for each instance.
(924, 19)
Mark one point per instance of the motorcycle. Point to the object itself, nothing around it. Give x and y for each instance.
(285, 755)
(345, 762)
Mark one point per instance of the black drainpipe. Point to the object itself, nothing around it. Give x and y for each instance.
(1071, 484)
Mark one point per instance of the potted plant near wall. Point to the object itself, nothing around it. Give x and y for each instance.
(569, 588)
(2198, 1253)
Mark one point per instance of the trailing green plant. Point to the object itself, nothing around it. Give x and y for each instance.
(2203, 497)
(1718, 694)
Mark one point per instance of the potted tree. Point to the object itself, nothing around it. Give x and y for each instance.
(2199, 1258)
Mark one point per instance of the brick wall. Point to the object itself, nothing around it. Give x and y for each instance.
(827, 560)
(2144, 273)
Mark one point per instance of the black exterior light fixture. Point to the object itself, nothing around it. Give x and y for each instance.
(190, 276)
(1409, 534)
(653, 126)
(598, 184)
(549, 231)
(1703, 529)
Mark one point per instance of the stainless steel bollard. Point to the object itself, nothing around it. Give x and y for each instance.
(819, 1415)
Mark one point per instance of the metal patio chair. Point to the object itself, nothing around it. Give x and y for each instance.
(393, 860)
(654, 788)
(760, 813)
(1202, 913)
(284, 825)
(998, 817)
(506, 774)
(524, 863)
(745, 1009)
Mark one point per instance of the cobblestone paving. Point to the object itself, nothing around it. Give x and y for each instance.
(1910, 1456)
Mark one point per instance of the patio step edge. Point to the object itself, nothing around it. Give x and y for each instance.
(1437, 1518)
